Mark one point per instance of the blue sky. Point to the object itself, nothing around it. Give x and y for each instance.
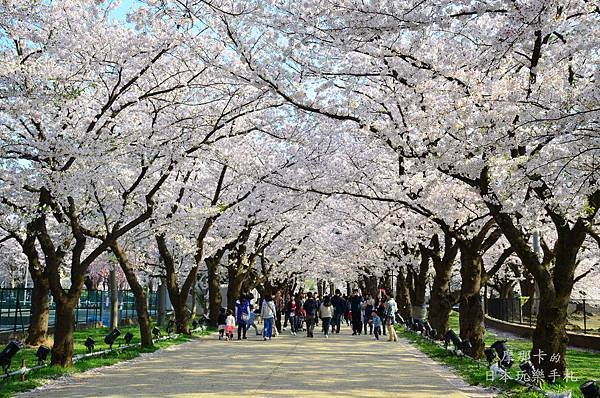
(120, 12)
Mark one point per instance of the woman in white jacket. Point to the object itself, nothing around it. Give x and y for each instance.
(267, 313)
(326, 311)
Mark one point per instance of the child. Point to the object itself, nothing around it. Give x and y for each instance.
(376, 322)
(229, 325)
(221, 320)
(250, 322)
(301, 314)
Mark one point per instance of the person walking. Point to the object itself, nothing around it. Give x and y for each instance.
(318, 303)
(347, 314)
(294, 307)
(339, 307)
(229, 325)
(376, 324)
(279, 306)
(326, 311)
(355, 307)
(267, 313)
(222, 322)
(287, 318)
(310, 307)
(390, 318)
(242, 311)
(381, 311)
(369, 305)
(250, 322)
(300, 313)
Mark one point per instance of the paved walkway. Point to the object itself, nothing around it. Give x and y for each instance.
(341, 366)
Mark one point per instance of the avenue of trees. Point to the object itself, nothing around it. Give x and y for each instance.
(430, 148)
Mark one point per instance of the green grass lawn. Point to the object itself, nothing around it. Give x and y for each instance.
(582, 365)
(38, 377)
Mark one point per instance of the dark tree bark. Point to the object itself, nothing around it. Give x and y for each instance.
(471, 307)
(442, 299)
(141, 298)
(178, 296)
(554, 273)
(418, 278)
(234, 288)
(403, 295)
(62, 349)
(371, 285)
(550, 335)
(38, 324)
(66, 300)
(474, 276)
(214, 289)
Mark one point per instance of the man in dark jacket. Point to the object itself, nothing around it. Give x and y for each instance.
(339, 307)
(310, 306)
(355, 306)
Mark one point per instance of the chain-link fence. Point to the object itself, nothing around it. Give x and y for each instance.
(93, 308)
(583, 315)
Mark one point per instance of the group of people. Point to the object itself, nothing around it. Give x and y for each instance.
(304, 310)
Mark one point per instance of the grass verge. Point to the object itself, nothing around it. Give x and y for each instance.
(581, 365)
(12, 386)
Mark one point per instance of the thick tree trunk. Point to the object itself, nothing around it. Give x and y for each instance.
(182, 316)
(471, 308)
(550, 336)
(38, 324)
(234, 289)
(141, 308)
(440, 305)
(62, 349)
(471, 323)
(194, 301)
(362, 285)
(214, 291)
(141, 297)
(402, 295)
(419, 282)
(386, 282)
(372, 285)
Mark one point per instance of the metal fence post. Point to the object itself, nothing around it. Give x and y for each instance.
(101, 306)
(584, 319)
(15, 318)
